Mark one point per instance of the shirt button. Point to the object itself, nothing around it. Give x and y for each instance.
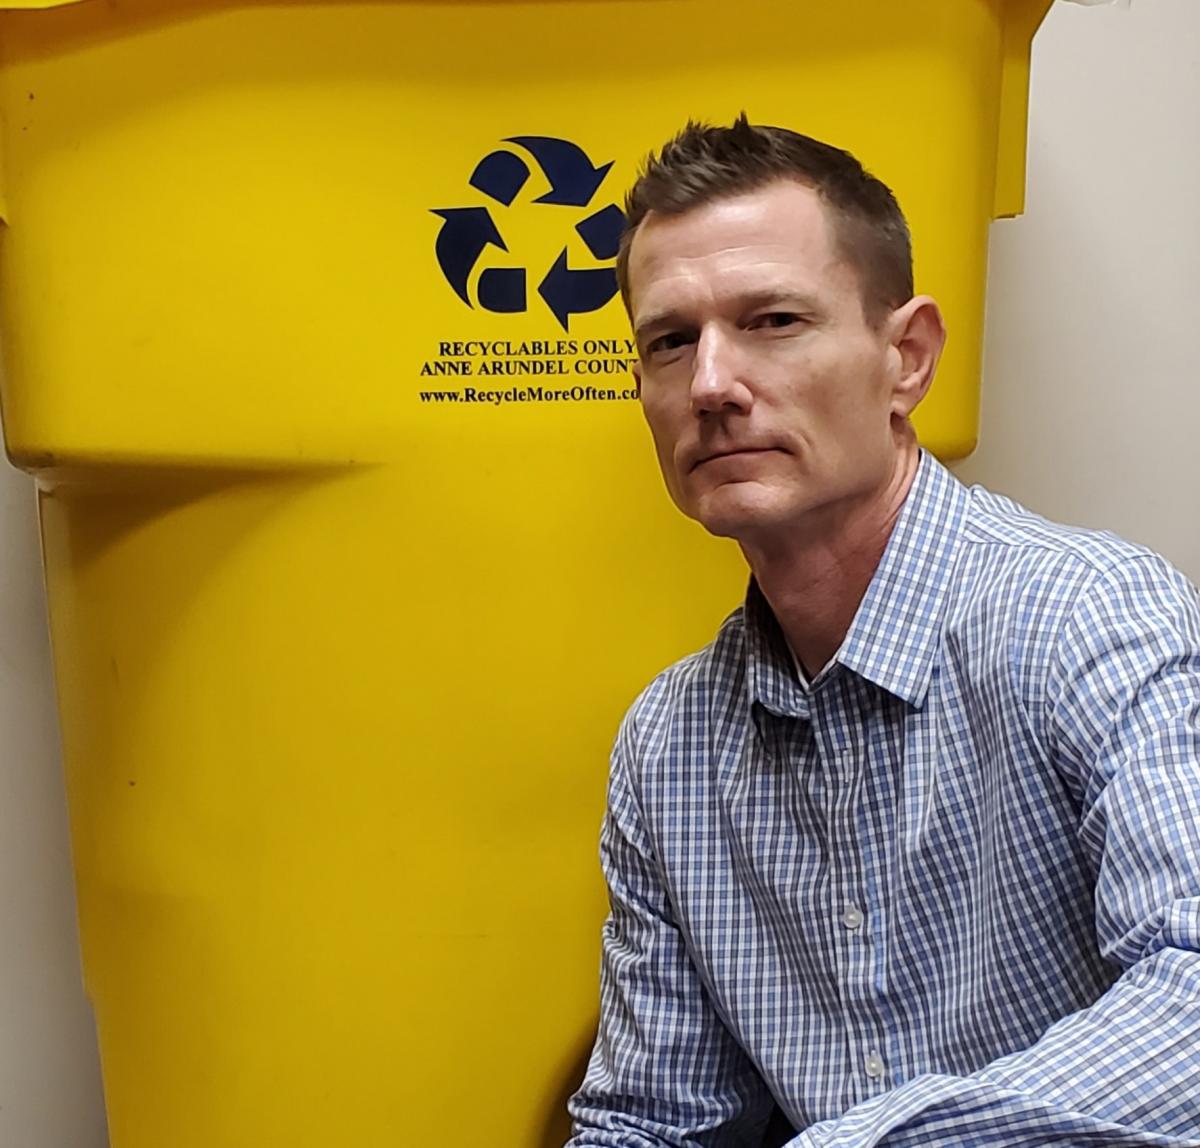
(874, 1065)
(852, 918)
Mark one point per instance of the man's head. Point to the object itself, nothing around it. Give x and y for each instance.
(703, 164)
(769, 281)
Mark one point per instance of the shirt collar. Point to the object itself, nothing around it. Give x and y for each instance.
(896, 633)
(771, 678)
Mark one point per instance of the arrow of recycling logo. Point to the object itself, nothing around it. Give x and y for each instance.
(467, 232)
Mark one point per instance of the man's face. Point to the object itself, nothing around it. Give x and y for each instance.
(769, 396)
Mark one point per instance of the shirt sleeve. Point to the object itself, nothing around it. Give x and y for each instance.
(1124, 732)
(665, 1072)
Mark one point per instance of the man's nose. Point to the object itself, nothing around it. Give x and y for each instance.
(718, 381)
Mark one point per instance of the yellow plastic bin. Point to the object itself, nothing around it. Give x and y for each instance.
(354, 542)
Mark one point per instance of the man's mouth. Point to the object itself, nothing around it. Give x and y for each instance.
(730, 452)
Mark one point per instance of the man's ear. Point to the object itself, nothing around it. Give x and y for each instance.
(918, 334)
(636, 369)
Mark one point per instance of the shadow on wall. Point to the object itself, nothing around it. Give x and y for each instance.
(558, 1124)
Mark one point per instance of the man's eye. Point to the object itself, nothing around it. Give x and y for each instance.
(671, 341)
(776, 319)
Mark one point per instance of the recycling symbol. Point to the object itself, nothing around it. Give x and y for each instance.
(467, 232)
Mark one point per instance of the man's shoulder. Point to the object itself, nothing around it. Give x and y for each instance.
(1006, 530)
(1027, 576)
(695, 683)
(1013, 553)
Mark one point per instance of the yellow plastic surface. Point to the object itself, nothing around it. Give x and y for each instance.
(339, 669)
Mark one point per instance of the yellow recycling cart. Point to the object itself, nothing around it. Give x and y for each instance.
(355, 547)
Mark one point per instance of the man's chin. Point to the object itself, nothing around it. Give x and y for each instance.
(736, 513)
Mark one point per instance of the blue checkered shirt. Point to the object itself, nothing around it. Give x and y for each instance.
(946, 894)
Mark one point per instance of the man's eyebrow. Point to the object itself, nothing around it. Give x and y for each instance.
(655, 319)
(779, 297)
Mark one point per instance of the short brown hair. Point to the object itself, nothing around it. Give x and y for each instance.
(704, 163)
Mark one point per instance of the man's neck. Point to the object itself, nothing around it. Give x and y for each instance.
(815, 582)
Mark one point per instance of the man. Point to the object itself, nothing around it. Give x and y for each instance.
(911, 851)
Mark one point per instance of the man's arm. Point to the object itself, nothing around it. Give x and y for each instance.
(665, 1072)
(1124, 730)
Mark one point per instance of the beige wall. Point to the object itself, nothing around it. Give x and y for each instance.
(49, 1078)
(1091, 399)
(1091, 411)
